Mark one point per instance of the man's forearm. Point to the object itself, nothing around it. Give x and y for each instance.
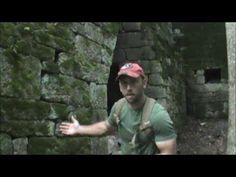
(97, 129)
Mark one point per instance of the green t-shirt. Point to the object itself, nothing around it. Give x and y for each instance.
(161, 129)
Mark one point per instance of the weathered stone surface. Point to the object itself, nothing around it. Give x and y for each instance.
(5, 144)
(50, 67)
(110, 27)
(60, 30)
(231, 42)
(119, 56)
(20, 146)
(65, 89)
(91, 51)
(131, 26)
(133, 53)
(212, 87)
(53, 145)
(99, 115)
(47, 71)
(146, 65)
(148, 53)
(209, 97)
(98, 95)
(156, 79)
(16, 74)
(96, 33)
(30, 47)
(156, 66)
(58, 111)
(69, 64)
(27, 128)
(15, 109)
(156, 91)
(200, 80)
(127, 40)
(99, 146)
(6, 30)
(79, 67)
(42, 37)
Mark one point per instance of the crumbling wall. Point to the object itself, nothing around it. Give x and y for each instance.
(204, 52)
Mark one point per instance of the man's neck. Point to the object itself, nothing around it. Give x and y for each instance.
(139, 104)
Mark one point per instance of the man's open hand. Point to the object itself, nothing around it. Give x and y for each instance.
(69, 128)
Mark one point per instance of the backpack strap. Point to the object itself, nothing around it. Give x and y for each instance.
(145, 123)
(147, 110)
(118, 106)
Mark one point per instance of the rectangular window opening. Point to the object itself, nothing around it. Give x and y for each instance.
(212, 75)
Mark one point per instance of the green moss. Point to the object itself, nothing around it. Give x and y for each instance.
(27, 128)
(42, 36)
(51, 67)
(55, 145)
(64, 44)
(59, 111)
(15, 109)
(65, 89)
(43, 53)
(113, 28)
(6, 147)
(60, 29)
(8, 34)
(84, 115)
(18, 72)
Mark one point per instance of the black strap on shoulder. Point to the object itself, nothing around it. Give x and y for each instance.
(147, 110)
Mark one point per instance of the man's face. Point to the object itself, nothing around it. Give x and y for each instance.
(132, 88)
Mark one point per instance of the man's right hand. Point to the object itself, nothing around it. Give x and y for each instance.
(70, 128)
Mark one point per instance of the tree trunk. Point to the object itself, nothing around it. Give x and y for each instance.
(231, 52)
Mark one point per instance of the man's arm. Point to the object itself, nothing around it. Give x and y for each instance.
(167, 147)
(74, 128)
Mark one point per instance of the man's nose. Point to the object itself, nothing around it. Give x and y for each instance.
(128, 87)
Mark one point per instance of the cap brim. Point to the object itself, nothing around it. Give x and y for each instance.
(130, 74)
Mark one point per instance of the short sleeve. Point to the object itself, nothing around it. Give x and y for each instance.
(111, 119)
(162, 125)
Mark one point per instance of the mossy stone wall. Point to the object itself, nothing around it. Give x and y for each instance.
(49, 71)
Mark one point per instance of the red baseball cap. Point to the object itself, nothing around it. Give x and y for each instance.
(131, 69)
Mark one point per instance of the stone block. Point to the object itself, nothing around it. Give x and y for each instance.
(59, 146)
(98, 95)
(131, 26)
(156, 79)
(20, 146)
(65, 89)
(6, 147)
(130, 40)
(16, 74)
(27, 128)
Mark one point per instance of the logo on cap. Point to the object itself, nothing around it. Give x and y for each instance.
(127, 65)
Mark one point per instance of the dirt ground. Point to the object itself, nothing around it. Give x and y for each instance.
(203, 137)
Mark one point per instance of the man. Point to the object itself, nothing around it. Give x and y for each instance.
(158, 137)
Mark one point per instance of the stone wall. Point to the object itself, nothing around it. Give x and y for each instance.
(49, 71)
(205, 59)
(153, 45)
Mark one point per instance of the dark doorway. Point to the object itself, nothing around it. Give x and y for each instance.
(113, 91)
